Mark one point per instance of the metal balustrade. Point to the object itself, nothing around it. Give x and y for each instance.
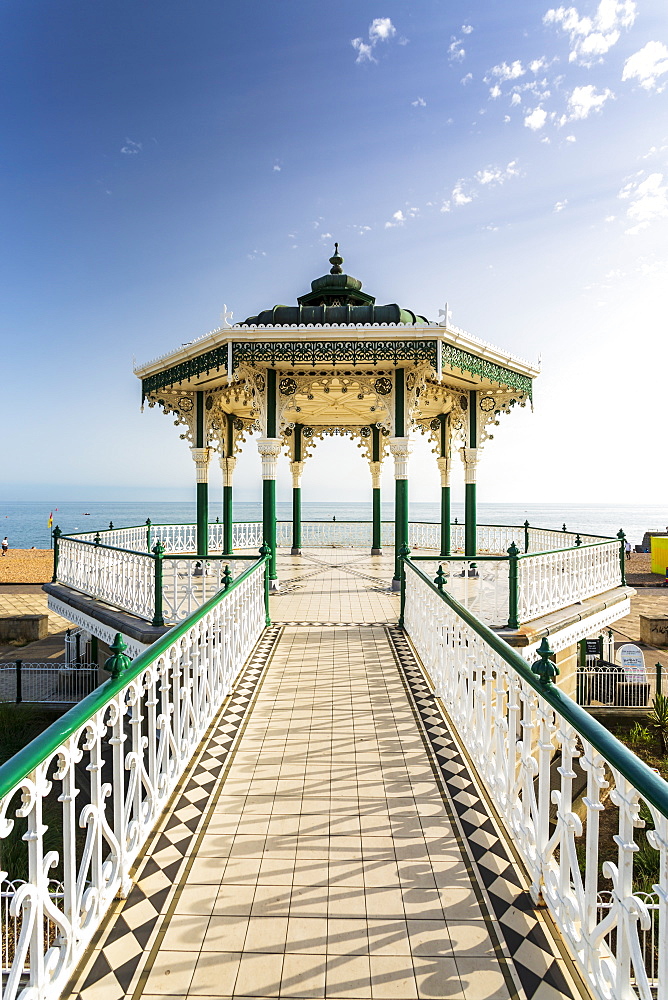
(78, 803)
(560, 783)
(511, 581)
(48, 683)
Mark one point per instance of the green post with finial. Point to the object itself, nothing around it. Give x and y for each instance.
(265, 553)
(158, 554)
(56, 542)
(526, 536)
(440, 579)
(404, 553)
(513, 587)
(148, 534)
(622, 554)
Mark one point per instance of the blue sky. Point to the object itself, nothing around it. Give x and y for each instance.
(162, 159)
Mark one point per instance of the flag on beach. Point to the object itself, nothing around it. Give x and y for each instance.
(50, 521)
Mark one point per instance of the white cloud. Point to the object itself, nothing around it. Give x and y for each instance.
(495, 91)
(419, 103)
(131, 148)
(381, 29)
(508, 72)
(560, 205)
(466, 79)
(456, 50)
(515, 99)
(583, 100)
(459, 196)
(536, 119)
(538, 64)
(254, 254)
(466, 29)
(364, 51)
(591, 37)
(399, 217)
(276, 167)
(445, 207)
(648, 201)
(497, 175)
(326, 236)
(570, 138)
(647, 65)
(506, 119)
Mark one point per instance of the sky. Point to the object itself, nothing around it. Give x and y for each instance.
(164, 161)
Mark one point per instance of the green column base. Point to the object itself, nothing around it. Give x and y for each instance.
(376, 530)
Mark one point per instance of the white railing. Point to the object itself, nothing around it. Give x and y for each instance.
(109, 768)
(175, 537)
(52, 683)
(553, 580)
(119, 577)
(247, 535)
(481, 585)
(188, 583)
(610, 685)
(559, 789)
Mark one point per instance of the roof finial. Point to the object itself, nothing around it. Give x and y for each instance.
(336, 261)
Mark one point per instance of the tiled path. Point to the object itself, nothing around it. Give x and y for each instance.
(317, 848)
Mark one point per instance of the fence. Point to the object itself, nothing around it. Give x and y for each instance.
(613, 686)
(568, 793)
(108, 768)
(50, 683)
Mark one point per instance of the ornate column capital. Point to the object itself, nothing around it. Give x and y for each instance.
(443, 464)
(470, 460)
(296, 469)
(227, 466)
(270, 449)
(376, 469)
(400, 449)
(201, 458)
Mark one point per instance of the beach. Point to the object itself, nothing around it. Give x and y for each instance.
(26, 566)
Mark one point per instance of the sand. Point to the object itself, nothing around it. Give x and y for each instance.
(26, 566)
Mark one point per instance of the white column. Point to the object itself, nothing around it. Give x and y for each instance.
(269, 449)
(227, 466)
(296, 470)
(376, 470)
(400, 449)
(470, 460)
(444, 469)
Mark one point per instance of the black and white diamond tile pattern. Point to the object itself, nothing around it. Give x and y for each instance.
(534, 955)
(125, 937)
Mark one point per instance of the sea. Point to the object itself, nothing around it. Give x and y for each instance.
(26, 523)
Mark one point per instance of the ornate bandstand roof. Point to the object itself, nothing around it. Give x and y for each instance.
(335, 299)
(334, 354)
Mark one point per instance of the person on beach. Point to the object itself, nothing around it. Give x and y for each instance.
(627, 547)
(5, 545)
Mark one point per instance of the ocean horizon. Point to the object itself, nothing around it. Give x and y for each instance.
(25, 523)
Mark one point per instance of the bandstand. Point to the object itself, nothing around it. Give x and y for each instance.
(337, 363)
(325, 788)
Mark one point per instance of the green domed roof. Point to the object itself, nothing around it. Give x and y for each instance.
(335, 299)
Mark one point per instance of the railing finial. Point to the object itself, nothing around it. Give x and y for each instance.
(119, 662)
(544, 667)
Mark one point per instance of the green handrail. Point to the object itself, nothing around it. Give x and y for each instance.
(642, 777)
(44, 745)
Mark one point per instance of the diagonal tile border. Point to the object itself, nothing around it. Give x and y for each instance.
(538, 962)
(124, 939)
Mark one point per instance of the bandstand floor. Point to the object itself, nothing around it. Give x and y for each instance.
(328, 839)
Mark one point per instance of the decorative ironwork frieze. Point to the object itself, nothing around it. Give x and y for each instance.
(455, 357)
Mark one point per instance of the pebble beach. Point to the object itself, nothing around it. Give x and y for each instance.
(26, 566)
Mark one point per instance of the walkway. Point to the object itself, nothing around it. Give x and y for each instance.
(317, 847)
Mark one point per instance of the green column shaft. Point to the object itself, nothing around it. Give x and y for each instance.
(296, 520)
(446, 542)
(227, 520)
(376, 530)
(470, 521)
(400, 523)
(269, 521)
(202, 488)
